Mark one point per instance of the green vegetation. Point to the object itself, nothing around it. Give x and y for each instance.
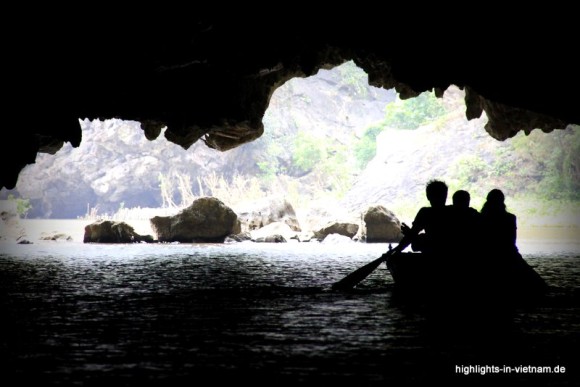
(309, 151)
(540, 173)
(22, 205)
(366, 147)
(325, 158)
(540, 165)
(468, 172)
(541, 169)
(354, 79)
(402, 114)
(231, 190)
(547, 171)
(556, 171)
(414, 112)
(270, 150)
(315, 144)
(302, 156)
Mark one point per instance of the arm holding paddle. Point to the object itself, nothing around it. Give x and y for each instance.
(436, 191)
(409, 234)
(351, 280)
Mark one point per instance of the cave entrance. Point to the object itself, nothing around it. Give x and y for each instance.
(331, 144)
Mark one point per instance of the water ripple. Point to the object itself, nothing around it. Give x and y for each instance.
(150, 314)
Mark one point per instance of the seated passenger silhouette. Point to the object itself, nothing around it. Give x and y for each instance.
(506, 265)
(430, 226)
(465, 222)
(499, 227)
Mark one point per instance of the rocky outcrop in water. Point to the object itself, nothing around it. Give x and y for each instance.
(261, 213)
(10, 228)
(108, 231)
(206, 220)
(346, 229)
(55, 236)
(381, 225)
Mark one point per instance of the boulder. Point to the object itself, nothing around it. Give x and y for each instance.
(108, 231)
(11, 228)
(241, 237)
(206, 220)
(55, 236)
(276, 238)
(341, 228)
(263, 212)
(332, 239)
(274, 232)
(382, 226)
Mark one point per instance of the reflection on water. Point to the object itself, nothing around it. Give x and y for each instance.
(173, 314)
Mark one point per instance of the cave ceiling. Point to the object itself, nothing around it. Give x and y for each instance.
(209, 78)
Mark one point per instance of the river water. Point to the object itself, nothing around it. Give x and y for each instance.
(263, 315)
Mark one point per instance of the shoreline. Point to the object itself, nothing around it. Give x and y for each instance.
(34, 228)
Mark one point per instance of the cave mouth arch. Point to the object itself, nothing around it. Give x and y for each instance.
(301, 110)
(178, 74)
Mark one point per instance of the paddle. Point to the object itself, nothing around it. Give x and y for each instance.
(351, 280)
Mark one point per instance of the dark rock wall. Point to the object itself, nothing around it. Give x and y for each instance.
(209, 76)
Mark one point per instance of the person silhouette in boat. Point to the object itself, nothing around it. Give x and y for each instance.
(465, 222)
(499, 227)
(426, 235)
(511, 273)
(430, 228)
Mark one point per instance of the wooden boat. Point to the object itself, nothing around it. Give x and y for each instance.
(457, 277)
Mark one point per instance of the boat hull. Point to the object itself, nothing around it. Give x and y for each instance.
(455, 278)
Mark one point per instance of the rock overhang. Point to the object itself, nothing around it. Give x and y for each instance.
(211, 79)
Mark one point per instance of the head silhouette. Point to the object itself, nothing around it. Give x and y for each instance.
(495, 201)
(436, 193)
(461, 199)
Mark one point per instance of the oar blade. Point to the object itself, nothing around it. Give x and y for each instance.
(354, 278)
